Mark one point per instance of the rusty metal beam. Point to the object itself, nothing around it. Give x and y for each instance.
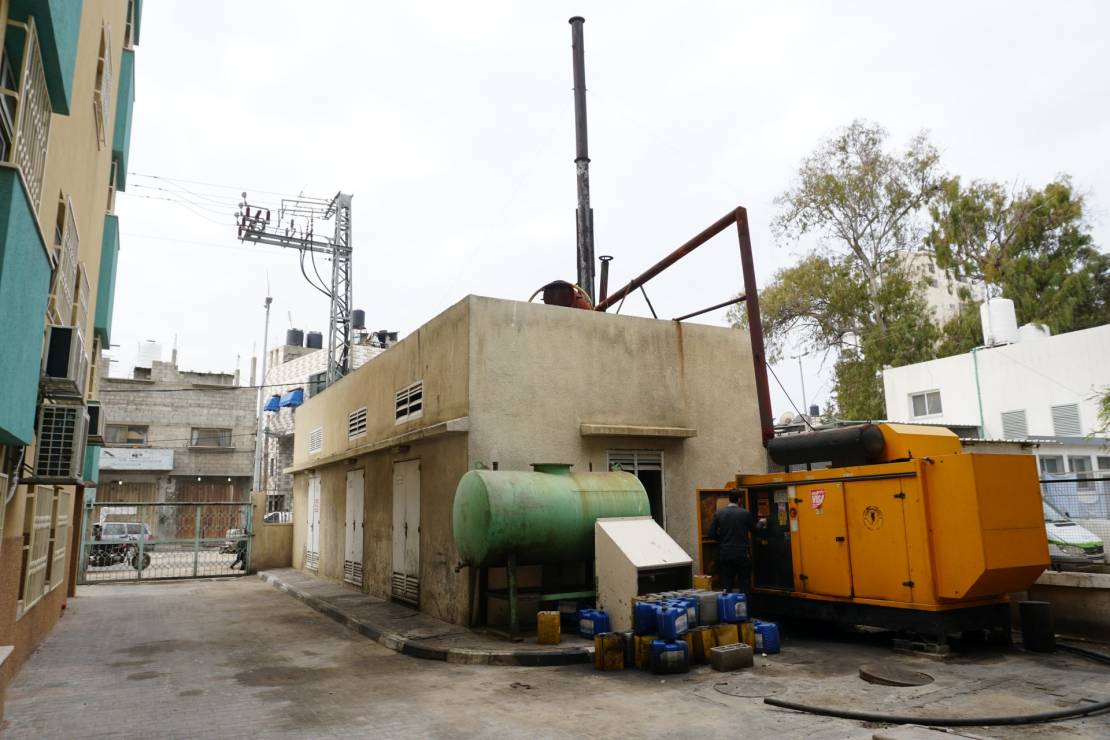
(739, 218)
(714, 307)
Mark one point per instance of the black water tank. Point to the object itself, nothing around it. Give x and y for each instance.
(855, 445)
(294, 337)
(314, 340)
(358, 319)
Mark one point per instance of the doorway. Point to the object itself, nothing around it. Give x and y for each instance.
(352, 559)
(312, 542)
(406, 532)
(647, 466)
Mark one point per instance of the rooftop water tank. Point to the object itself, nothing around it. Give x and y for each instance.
(314, 340)
(1032, 332)
(294, 337)
(358, 319)
(545, 516)
(999, 322)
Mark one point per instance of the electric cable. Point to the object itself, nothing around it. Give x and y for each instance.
(898, 719)
(788, 398)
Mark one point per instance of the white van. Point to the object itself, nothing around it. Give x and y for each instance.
(1068, 542)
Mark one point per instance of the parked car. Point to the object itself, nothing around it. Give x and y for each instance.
(1068, 542)
(278, 517)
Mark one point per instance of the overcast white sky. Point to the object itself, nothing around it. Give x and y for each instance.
(452, 125)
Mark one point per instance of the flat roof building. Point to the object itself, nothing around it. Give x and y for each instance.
(501, 385)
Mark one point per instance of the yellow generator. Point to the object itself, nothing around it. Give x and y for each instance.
(892, 526)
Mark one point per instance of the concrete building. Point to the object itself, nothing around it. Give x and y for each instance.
(67, 90)
(288, 368)
(944, 294)
(1037, 388)
(502, 384)
(176, 436)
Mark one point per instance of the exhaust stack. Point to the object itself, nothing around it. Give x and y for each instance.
(585, 215)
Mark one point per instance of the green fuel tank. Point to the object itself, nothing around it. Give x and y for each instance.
(545, 516)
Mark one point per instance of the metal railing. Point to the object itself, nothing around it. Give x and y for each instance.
(28, 110)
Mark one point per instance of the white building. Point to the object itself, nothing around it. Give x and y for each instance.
(1036, 387)
(940, 289)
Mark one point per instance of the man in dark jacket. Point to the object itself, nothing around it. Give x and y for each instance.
(730, 527)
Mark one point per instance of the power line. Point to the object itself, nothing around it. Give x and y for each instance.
(239, 188)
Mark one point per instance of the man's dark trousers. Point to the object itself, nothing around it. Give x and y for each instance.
(735, 572)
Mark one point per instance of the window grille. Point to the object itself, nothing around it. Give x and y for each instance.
(36, 545)
(102, 93)
(1065, 421)
(1014, 425)
(409, 403)
(356, 423)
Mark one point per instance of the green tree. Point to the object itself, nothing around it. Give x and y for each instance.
(853, 296)
(1031, 246)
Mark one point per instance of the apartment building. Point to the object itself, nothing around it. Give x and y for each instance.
(67, 90)
(176, 436)
(294, 373)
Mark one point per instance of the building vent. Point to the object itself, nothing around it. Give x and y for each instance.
(409, 402)
(1065, 421)
(64, 364)
(1014, 425)
(60, 448)
(356, 423)
(316, 440)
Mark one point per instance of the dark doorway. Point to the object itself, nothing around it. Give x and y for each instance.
(647, 465)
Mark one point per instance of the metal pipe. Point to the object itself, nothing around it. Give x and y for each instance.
(716, 228)
(604, 289)
(755, 326)
(259, 438)
(714, 307)
(585, 215)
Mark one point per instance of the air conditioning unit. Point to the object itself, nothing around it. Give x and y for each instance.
(60, 439)
(96, 423)
(64, 364)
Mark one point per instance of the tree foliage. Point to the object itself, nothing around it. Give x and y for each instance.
(1031, 246)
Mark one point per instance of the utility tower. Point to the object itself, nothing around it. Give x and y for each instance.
(295, 227)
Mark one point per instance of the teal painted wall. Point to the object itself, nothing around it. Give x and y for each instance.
(24, 286)
(91, 475)
(106, 284)
(59, 24)
(125, 105)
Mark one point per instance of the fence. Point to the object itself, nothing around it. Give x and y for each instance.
(1077, 512)
(130, 541)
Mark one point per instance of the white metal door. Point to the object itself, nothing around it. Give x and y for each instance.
(312, 542)
(352, 563)
(406, 531)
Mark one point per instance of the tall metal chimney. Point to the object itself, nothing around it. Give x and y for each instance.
(585, 220)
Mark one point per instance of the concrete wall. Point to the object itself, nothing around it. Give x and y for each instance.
(271, 544)
(539, 372)
(1080, 602)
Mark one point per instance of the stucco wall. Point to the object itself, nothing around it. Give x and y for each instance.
(271, 544)
(538, 372)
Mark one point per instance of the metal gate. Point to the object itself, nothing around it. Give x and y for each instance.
(143, 541)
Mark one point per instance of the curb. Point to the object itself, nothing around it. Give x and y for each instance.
(418, 649)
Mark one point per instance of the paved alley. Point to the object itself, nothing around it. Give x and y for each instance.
(237, 658)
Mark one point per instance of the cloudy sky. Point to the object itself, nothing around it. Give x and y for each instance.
(452, 125)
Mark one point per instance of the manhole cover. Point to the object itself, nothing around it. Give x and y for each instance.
(753, 688)
(892, 674)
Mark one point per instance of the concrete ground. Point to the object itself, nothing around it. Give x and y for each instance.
(237, 658)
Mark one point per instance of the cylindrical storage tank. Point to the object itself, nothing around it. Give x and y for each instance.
(541, 517)
(314, 340)
(1032, 332)
(294, 338)
(358, 319)
(999, 320)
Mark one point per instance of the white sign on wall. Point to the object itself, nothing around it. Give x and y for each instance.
(136, 458)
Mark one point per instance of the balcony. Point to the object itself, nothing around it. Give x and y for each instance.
(24, 109)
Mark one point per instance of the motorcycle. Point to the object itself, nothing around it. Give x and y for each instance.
(104, 556)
